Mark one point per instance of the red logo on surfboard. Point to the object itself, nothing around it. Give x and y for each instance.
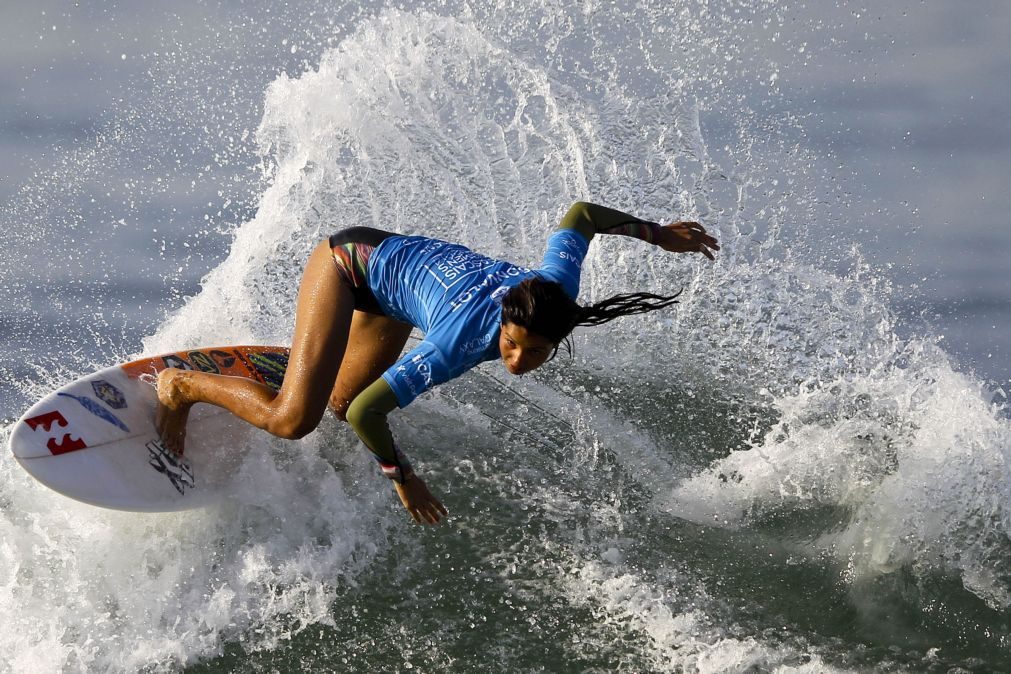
(46, 421)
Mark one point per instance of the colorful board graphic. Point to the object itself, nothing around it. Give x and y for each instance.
(94, 439)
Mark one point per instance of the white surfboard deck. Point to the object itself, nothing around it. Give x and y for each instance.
(94, 439)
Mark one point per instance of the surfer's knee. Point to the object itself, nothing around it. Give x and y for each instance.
(292, 424)
(340, 408)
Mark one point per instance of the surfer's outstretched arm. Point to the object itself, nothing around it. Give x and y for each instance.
(367, 416)
(678, 237)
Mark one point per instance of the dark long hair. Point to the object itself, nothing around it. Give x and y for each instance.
(543, 308)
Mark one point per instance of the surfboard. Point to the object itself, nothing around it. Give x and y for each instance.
(94, 439)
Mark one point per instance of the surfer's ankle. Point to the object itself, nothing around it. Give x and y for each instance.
(173, 389)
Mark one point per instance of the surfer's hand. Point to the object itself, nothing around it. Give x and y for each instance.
(687, 237)
(420, 502)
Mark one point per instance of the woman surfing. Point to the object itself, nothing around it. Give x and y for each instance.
(363, 291)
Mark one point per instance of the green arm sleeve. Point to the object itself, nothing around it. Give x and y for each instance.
(367, 416)
(590, 219)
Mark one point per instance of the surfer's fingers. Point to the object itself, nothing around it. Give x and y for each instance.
(690, 230)
(435, 504)
(704, 239)
(697, 232)
(422, 516)
(433, 512)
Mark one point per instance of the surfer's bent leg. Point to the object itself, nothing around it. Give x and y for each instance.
(322, 321)
(374, 345)
(375, 340)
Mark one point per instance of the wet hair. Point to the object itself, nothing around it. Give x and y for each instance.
(543, 308)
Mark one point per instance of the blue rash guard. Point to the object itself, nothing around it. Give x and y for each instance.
(454, 296)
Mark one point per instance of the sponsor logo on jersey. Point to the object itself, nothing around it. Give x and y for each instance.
(456, 265)
(475, 345)
(499, 293)
(418, 377)
(402, 371)
(495, 278)
(572, 241)
(424, 369)
(578, 261)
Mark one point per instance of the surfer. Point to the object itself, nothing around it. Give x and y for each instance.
(364, 290)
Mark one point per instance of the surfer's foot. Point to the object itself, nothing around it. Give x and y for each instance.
(173, 409)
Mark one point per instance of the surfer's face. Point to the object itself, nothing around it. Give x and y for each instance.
(522, 350)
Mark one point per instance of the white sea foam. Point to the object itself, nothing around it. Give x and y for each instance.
(86, 589)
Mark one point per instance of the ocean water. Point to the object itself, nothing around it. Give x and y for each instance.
(801, 467)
